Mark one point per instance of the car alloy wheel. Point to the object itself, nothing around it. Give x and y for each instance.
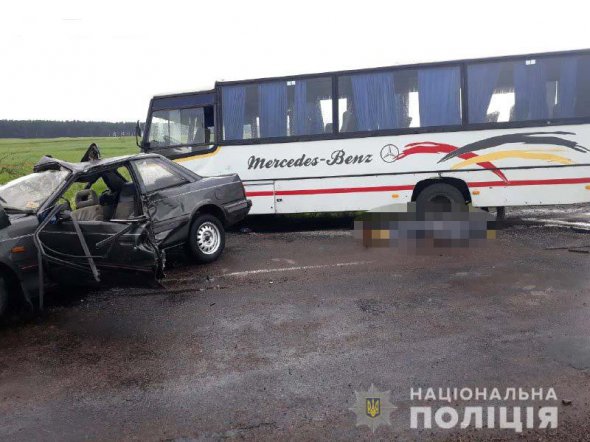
(208, 238)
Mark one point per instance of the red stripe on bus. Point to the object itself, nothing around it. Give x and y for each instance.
(267, 193)
(411, 187)
(344, 190)
(332, 190)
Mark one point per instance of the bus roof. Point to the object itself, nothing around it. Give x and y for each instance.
(180, 93)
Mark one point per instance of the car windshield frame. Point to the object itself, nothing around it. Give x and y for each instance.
(35, 189)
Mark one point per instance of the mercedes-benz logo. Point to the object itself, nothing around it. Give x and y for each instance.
(389, 153)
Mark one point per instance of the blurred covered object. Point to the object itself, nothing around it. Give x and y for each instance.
(423, 229)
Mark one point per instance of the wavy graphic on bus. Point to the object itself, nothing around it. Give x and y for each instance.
(518, 154)
(539, 138)
(432, 147)
(469, 157)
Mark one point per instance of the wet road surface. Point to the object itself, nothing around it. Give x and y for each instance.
(273, 339)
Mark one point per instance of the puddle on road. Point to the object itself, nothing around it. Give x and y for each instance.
(559, 223)
(576, 216)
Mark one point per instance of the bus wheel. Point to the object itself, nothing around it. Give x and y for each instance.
(206, 238)
(440, 197)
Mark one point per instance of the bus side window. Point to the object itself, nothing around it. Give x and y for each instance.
(400, 99)
(277, 109)
(529, 89)
(310, 106)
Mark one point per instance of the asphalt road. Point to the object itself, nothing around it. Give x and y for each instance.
(272, 340)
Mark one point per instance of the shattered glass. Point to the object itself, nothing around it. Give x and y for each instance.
(30, 191)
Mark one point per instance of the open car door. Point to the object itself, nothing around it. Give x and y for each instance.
(114, 252)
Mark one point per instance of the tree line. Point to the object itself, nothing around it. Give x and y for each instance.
(55, 129)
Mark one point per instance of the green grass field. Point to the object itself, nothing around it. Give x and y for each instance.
(18, 156)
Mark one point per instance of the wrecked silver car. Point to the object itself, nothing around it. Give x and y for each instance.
(109, 220)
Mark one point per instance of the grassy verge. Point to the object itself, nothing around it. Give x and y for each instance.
(18, 156)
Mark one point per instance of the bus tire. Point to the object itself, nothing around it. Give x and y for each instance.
(206, 239)
(3, 295)
(440, 197)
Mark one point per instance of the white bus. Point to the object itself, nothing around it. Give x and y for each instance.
(491, 132)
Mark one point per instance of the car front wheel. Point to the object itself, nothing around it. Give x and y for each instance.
(206, 238)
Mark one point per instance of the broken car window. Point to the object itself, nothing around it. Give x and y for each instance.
(30, 191)
(156, 176)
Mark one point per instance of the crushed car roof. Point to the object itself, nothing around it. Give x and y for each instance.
(48, 162)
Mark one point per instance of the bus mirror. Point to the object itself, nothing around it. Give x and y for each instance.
(138, 134)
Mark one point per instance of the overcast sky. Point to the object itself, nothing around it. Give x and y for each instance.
(103, 60)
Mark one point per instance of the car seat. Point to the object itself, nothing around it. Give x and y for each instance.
(126, 205)
(87, 206)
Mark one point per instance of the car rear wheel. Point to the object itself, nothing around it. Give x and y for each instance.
(206, 238)
(3, 296)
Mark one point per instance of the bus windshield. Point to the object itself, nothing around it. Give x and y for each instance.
(176, 127)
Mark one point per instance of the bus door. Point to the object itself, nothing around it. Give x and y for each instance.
(292, 196)
(262, 194)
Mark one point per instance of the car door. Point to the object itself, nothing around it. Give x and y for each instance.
(117, 251)
(168, 195)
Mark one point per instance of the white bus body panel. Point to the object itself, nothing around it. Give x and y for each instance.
(364, 173)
